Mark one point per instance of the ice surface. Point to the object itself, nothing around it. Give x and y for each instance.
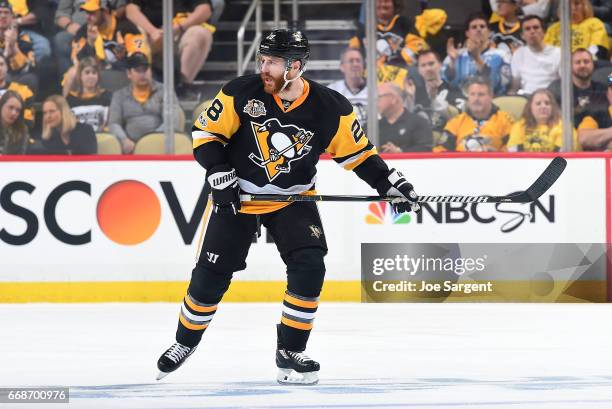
(545, 356)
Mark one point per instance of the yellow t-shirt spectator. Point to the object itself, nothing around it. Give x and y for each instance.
(543, 138)
(589, 32)
(465, 133)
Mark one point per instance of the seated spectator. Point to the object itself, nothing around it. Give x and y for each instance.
(88, 101)
(137, 109)
(353, 86)
(62, 134)
(106, 38)
(27, 14)
(69, 18)
(540, 8)
(588, 94)
(26, 94)
(506, 32)
(17, 47)
(483, 127)
(588, 32)
(537, 64)
(595, 130)
(13, 130)
(190, 27)
(540, 129)
(478, 58)
(399, 129)
(439, 95)
(399, 39)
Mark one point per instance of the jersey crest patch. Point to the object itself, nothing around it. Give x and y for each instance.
(278, 146)
(202, 119)
(255, 108)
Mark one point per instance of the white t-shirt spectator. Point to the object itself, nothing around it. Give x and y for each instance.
(359, 100)
(536, 70)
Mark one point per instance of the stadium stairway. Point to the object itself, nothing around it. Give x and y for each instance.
(329, 24)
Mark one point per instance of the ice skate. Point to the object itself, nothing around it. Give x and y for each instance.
(173, 358)
(296, 368)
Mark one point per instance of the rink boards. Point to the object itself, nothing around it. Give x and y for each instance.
(127, 229)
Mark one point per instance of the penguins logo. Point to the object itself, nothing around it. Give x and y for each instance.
(278, 146)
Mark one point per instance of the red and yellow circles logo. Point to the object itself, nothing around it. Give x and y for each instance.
(128, 212)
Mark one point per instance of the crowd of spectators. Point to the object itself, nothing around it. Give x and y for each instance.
(58, 59)
(493, 85)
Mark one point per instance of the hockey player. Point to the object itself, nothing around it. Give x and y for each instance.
(264, 134)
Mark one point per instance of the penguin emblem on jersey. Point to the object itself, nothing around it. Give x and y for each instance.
(278, 146)
(254, 108)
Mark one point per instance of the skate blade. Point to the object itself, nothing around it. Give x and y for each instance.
(161, 375)
(291, 377)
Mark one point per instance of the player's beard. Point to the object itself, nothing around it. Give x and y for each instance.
(275, 85)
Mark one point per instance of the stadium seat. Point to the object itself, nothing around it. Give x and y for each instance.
(108, 144)
(512, 105)
(154, 144)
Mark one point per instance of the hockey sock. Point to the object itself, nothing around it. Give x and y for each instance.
(296, 322)
(194, 318)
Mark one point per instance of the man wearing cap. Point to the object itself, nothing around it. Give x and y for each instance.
(137, 109)
(105, 37)
(16, 46)
(189, 28)
(595, 130)
(69, 18)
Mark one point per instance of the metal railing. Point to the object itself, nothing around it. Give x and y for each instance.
(243, 61)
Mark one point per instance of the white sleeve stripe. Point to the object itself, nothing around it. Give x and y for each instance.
(353, 158)
(202, 135)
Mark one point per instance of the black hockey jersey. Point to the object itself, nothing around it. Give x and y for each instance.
(275, 150)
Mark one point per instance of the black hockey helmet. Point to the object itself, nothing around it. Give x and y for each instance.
(288, 44)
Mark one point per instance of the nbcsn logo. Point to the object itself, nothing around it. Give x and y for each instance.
(381, 211)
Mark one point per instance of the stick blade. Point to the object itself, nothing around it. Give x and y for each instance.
(546, 179)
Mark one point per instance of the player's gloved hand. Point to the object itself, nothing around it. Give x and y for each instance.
(395, 185)
(225, 189)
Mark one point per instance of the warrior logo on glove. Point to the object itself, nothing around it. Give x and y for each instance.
(278, 146)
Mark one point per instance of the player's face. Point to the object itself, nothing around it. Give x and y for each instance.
(352, 64)
(533, 34)
(52, 116)
(582, 65)
(478, 31)
(3, 70)
(272, 73)
(89, 77)
(10, 111)
(610, 95)
(384, 9)
(541, 107)
(429, 67)
(479, 99)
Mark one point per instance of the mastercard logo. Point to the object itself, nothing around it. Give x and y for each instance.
(128, 212)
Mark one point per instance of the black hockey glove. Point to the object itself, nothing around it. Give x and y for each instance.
(395, 185)
(225, 190)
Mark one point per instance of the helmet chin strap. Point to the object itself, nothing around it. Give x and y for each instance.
(287, 81)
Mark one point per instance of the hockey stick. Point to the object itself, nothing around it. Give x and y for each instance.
(542, 184)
